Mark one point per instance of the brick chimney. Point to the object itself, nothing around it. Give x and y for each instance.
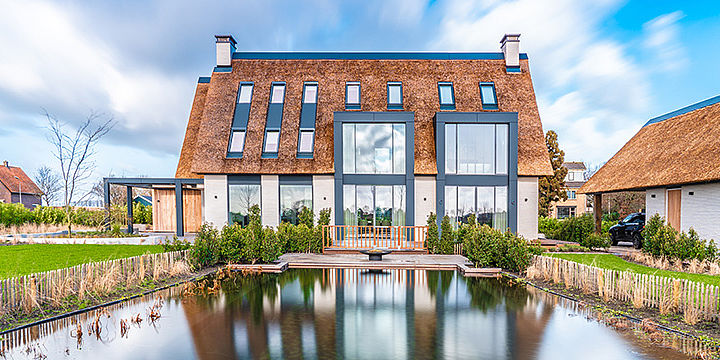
(510, 45)
(224, 48)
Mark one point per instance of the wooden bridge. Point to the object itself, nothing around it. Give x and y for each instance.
(355, 237)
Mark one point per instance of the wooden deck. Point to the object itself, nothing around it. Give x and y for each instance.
(358, 261)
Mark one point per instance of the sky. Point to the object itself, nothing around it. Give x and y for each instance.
(600, 69)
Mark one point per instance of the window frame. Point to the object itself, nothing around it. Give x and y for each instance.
(243, 180)
(233, 127)
(353, 106)
(394, 106)
(295, 180)
(268, 154)
(308, 110)
(449, 84)
(488, 106)
(317, 92)
(456, 151)
(273, 108)
(305, 154)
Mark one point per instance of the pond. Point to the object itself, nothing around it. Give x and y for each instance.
(337, 313)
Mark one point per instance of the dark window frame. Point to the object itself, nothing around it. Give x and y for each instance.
(272, 109)
(240, 127)
(308, 110)
(353, 106)
(485, 105)
(446, 106)
(395, 106)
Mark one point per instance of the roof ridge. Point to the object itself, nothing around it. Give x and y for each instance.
(684, 110)
(373, 55)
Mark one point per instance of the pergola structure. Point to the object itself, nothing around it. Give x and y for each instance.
(130, 183)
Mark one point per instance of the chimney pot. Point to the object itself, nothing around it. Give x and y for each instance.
(224, 48)
(5, 164)
(510, 45)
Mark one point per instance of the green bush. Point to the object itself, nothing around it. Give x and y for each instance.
(433, 235)
(596, 241)
(176, 245)
(488, 247)
(548, 226)
(271, 248)
(569, 248)
(662, 240)
(206, 250)
(447, 238)
(17, 214)
(305, 216)
(575, 229)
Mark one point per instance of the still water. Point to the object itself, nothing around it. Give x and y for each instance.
(334, 313)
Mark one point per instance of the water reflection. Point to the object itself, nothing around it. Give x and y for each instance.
(352, 314)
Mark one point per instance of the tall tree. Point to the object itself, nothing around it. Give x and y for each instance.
(49, 183)
(75, 151)
(552, 188)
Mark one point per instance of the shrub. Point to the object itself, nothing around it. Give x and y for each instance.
(488, 247)
(569, 248)
(575, 229)
(596, 241)
(232, 241)
(270, 248)
(305, 216)
(433, 235)
(324, 217)
(176, 245)
(447, 238)
(206, 250)
(662, 240)
(548, 226)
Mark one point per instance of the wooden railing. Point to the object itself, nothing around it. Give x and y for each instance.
(369, 237)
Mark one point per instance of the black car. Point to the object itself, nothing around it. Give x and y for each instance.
(628, 229)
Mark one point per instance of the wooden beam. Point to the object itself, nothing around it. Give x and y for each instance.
(597, 211)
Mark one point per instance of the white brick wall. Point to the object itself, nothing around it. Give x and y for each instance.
(701, 211)
(528, 207)
(215, 200)
(324, 195)
(425, 187)
(655, 205)
(270, 199)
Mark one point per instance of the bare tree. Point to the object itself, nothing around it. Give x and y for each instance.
(49, 183)
(74, 152)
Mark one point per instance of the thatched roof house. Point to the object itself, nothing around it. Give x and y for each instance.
(380, 139)
(675, 159)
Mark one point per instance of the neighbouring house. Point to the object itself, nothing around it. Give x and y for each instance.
(143, 200)
(379, 138)
(674, 160)
(576, 203)
(17, 187)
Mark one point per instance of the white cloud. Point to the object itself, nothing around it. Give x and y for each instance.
(402, 12)
(589, 89)
(662, 40)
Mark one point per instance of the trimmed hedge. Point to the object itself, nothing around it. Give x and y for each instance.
(488, 247)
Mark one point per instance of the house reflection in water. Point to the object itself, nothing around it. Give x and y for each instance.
(358, 314)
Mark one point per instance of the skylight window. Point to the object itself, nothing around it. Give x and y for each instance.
(237, 141)
(272, 141)
(352, 95)
(447, 95)
(310, 94)
(245, 94)
(306, 141)
(395, 100)
(278, 94)
(488, 95)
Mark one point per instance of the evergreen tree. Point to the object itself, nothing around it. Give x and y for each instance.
(552, 188)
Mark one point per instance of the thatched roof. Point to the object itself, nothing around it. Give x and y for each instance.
(208, 131)
(681, 147)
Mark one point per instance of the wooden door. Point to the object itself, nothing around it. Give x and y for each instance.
(192, 210)
(674, 198)
(164, 210)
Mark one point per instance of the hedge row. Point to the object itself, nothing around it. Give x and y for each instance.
(17, 214)
(662, 240)
(255, 243)
(579, 229)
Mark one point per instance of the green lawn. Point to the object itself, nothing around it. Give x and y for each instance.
(612, 262)
(27, 259)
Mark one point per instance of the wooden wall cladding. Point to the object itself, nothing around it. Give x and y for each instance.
(164, 216)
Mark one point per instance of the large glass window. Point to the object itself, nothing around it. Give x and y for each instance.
(242, 198)
(487, 203)
(374, 205)
(374, 148)
(476, 149)
(294, 198)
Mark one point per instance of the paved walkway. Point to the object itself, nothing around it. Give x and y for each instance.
(355, 261)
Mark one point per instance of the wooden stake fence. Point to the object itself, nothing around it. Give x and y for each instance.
(641, 290)
(100, 278)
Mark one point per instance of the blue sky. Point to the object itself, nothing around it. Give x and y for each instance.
(601, 68)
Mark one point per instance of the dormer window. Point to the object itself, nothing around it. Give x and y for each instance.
(310, 93)
(236, 144)
(308, 113)
(352, 95)
(272, 141)
(447, 96)
(278, 94)
(488, 95)
(394, 95)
